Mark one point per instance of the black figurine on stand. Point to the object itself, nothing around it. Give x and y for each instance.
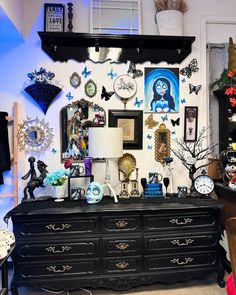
(70, 16)
(34, 181)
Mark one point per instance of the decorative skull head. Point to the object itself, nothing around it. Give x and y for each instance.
(94, 193)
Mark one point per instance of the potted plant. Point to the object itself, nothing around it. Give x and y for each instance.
(225, 86)
(58, 181)
(169, 16)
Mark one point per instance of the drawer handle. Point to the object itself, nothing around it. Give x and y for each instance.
(187, 260)
(63, 249)
(122, 246)
(121, 224)
(63, 226)
(186, 243)
(177, 222)
(55, 270)
(122, 265)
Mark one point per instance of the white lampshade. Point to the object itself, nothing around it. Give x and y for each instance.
(105, 142)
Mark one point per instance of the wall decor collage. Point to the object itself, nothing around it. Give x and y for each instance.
(149, 121)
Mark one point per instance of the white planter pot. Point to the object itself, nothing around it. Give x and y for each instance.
(170, 22)
(59, 192)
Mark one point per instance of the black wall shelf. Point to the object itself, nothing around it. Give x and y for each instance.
(136, 48)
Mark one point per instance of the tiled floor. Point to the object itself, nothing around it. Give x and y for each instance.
(195, 287)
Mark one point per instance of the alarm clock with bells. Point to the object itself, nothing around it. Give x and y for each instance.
(204, 184)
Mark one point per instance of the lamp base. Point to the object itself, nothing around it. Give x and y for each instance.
(112, 191)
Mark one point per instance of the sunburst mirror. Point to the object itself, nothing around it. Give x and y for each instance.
(34, 136)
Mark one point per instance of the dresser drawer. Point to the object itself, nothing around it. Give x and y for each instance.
(156, 244)
(179, 261)
(54, 227)
(57, 269)
(130, 223)
(157, 222)
(56, 249)
(122, 265)
(127, 246)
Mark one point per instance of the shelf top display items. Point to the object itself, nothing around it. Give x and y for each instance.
(54, 17)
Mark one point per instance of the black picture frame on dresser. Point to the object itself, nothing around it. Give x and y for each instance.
(135, 242)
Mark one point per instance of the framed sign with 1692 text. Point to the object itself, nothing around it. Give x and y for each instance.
(54, 17)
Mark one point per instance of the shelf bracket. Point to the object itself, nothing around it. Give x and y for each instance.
(97, 45)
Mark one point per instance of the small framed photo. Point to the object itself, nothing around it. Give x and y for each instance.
(54, 17)
(190, 123)
(132, 124)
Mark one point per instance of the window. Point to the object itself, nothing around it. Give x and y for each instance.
(115, 16)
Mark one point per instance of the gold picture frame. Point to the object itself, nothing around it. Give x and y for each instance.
(162, 143)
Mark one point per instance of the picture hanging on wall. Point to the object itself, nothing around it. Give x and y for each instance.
(161, 90)
(190, 123)
(132, 124)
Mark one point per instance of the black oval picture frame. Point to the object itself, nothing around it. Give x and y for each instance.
(90, 88)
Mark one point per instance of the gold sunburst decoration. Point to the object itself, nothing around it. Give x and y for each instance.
(34, 136)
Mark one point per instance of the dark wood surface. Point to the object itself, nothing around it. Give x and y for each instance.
(136, 48)
(71, 244)
(227, 197)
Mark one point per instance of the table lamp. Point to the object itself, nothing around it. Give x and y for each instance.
(106, 143)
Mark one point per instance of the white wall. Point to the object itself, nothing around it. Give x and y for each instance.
(27, 56)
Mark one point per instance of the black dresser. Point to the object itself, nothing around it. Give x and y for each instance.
(69, 245)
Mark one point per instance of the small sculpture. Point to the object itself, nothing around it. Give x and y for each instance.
(34, 181)
(126, 165)
(70, 16)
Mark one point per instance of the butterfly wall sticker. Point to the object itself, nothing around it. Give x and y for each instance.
(194, 89)
(150, 122)
(183, 100)
(183, 80)
(175, 122)
(85, 72)
(53, 151)
(132, 70)
(164, 118)
(173, 132)
(149, 136)
(149, 147)
(111, 74)
(69, 95)
(138, 102)
(106, 94)
(190, 68)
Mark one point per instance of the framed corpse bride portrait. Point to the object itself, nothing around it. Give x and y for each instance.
(161, 90)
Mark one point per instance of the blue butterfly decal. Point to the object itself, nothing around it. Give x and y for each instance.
(183, 100)
(85, 72)
(149, 147)
(111, 74)
(69, 96)
(173, 133)
(138, 102)
(183, 80)
(149, 136)
(53, 151)
(164, 118)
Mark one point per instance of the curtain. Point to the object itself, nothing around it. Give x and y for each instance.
(217, 59)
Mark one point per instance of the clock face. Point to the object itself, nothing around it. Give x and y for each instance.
(204, 184)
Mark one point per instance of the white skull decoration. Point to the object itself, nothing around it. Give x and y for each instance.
(94, 193)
